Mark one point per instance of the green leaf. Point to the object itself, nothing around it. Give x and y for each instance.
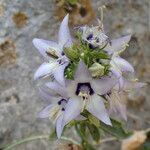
(72, 2)
(99, 55)
(87, 146)
(94, 131)
(94, 120)
(72, 53)
(70, 70)
(52, 135)
(116, 129)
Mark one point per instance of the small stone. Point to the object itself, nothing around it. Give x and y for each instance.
(80, 13)
(20, 19)
(7, 53)
(1, 10)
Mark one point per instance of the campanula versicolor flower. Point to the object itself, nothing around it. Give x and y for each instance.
(53, 52)
(89, 77)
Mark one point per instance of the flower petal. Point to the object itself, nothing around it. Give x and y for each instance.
(104, 85)
(56, 87)
(46, 111)
(97, 108)
(80, 118)
(117, 105)
(72, 110)
(124, 65)
(43, 70)
(59, 74)
(45, 95)
(82, 73)
(43, 46)
(132, 85)
(118, 45)
(64, 36)
(59, 126)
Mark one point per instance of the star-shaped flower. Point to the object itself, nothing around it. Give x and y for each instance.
(116, 97)
(84, 93)
(119, 66)
(53, 52)
(94, 36)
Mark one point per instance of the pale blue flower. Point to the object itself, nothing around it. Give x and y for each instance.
(84, 93)
(55, 111)
(53, 52)
(116, 97)
(94, 36)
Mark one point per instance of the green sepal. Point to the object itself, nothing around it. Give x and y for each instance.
(70, 70)
(53, 135)
(72, 53)
(72, 2)
(116, 129)
(94, 131)
(99, 55)
(94, 120)
(87, 146)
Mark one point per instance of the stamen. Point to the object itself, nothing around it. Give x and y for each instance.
(52, 53)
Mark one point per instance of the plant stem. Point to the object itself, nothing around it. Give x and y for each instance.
(39, 137)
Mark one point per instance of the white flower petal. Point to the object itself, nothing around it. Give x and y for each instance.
(59, 74)
(124, 65)
(72, 110)
(80, 118)
(118, 45)
(97, 108)
(117, 105)
(132, 85)
(82, 73)
(47, 96)
(59, 126)
(64, 36)
(43, 70)
(43, 46)
(104, 85)
(57, 88)
(45, 113)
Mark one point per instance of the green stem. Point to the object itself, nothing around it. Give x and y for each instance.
(29, 139)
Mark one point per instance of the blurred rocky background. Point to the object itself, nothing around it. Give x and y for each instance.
(23, 20)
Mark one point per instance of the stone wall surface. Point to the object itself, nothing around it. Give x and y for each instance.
(23, 20)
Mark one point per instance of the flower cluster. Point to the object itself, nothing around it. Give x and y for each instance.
(85, 75)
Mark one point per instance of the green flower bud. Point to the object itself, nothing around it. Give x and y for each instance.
(97, 70)
(71, 53)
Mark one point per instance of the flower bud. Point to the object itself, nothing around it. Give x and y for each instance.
(71, 53)
(97, 70)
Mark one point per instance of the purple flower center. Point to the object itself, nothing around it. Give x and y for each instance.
(62, 103)
(89, 37)
(84, 88)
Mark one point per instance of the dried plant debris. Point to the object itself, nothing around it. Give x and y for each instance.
(69, 146)
(7, 53)
(134, 142)
(1, 10)
(81, 11)
(20, 19)
(13, 99)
